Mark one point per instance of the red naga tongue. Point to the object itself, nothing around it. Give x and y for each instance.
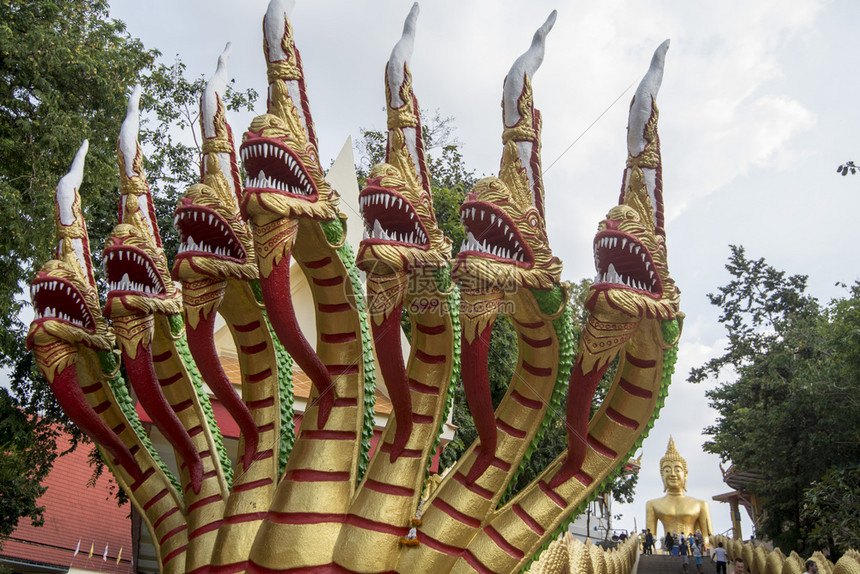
(201, 342)
(278, 299)
(141, 373)
(71, 397)
(580, 395)
(476, 384)
(387, 337)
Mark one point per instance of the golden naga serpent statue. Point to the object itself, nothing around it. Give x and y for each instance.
(312, 500)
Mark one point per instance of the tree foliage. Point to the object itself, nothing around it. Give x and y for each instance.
(789, 407)
(846, 168)
(26, 448)
(66, 69)
(832, 507)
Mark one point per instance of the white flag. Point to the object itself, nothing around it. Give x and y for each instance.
(104, 556)
(77, 548)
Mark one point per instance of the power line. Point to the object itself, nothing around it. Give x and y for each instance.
(579, 137)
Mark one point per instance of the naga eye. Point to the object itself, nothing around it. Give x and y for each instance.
(533, 221)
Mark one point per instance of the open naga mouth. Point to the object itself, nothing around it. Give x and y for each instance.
(130, 269)
(389, 217)
(272, 166)
(622, 260)
(491, 232)
(203, 232)
(67, 303)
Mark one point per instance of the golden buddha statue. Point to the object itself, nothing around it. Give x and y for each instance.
(679, 513)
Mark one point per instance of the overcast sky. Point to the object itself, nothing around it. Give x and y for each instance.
(758, 107)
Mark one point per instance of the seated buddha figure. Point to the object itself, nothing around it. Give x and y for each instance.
(679, 513)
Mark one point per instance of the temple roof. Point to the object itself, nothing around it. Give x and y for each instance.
(94, 518)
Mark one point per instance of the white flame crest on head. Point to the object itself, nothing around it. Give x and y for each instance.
(640, 113)
(215, 87)
(129, 131)
(69, 185)
(395, 76)
(276, 18)
(128, 145)
(640, 109)
(274, 28)
(67, 193)
(525, 65)
(400, 56)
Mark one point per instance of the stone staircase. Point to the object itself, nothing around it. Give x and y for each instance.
(664, 564)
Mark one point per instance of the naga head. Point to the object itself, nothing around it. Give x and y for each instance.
(135, 265)
(506, 254)
(401, 232)
(632, 282)
(279, 150)
(633, 279)
(215, 242)
(506, 246)
(65, 300)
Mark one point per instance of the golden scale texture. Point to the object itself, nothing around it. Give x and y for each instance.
(567, 555)
(759, 560)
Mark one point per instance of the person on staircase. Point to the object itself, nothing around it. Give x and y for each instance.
(668, 543)
(649, 542)
(720, 557)
(697, 555)
(684, 550)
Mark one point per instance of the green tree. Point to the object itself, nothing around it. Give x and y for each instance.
(832, 507)
(846, 168)
(789, 406)
(66, 69)
(26, 448)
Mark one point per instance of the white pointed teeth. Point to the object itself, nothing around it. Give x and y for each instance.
(393, 218)
(484, 246)
(497, 235)
(633, 259)
(67, 303)
(415, 236)
(220, 239)
(137, 272)
(286, 172)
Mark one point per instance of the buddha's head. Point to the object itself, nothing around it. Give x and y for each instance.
(673, 470)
